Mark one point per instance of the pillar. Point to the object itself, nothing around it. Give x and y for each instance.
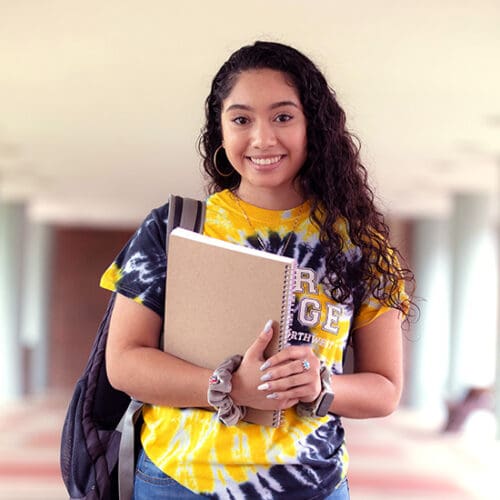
(12, 217)
(428, 353)
(474, 295)
(35, 303)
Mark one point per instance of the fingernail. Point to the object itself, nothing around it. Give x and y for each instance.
(266, 376)
(265, 366)
(268, 326)
(272, 396)
(263, 387)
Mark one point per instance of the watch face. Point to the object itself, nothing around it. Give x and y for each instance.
(324, 404)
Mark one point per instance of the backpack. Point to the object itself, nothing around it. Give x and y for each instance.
(99, 441)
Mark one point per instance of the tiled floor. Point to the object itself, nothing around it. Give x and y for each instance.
(405, 456)
(29, 449)
(395, 458)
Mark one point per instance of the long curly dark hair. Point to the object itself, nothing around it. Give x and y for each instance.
(332, 177)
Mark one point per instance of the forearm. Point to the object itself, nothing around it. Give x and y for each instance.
(374, 389)
(137, 366)
(155, 377)
(364, 395)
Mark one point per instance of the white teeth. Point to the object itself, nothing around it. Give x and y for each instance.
(266, 161)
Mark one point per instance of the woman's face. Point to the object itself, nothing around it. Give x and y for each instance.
(264, 131)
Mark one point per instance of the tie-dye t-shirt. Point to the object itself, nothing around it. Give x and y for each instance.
(304, 458)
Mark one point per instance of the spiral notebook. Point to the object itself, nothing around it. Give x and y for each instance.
(218, 298)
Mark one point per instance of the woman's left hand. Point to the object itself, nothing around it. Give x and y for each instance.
(292, 373)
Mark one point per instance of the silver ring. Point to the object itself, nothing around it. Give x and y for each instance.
(306, 365)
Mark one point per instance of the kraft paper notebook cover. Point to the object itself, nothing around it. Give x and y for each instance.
(218, 298)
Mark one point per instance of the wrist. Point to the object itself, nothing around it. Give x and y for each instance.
(219, 392)
(320, 406)
(236, 394)
(311, 399)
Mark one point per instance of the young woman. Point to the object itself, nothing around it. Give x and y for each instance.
(284, 176)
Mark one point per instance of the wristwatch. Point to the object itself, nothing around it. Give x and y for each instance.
(320, 406)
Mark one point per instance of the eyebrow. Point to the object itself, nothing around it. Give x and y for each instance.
(275, 105)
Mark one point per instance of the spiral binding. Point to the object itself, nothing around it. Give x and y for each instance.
(286, 319)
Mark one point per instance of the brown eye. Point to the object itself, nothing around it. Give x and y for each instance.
(240, 120)
(283, 118)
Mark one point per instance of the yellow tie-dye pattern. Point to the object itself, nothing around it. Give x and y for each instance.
(228, 223)
(345, 461)
(110, 277)
(191, 445)
(194, 445)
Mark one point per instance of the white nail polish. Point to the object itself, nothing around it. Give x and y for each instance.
(266, 377)
(263, 387)
(265, 366)
(268, 326)
(272, 396)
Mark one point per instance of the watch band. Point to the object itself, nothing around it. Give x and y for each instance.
(321, 405)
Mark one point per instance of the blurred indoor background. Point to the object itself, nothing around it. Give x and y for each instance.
(101, 104)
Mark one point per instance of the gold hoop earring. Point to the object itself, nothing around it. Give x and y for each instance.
(214, 161)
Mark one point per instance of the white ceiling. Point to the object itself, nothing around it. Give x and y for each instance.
(101, 102)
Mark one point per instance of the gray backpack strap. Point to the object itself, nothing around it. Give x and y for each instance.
(126, 455)
(189, 214)
(186, 213)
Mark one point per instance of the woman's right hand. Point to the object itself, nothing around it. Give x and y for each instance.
(247, 378)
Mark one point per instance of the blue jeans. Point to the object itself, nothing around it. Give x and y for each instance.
(341, 493)
(153, 484)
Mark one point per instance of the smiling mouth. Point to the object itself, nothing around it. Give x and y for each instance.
(266, 161)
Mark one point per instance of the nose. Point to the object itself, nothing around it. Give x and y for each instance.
(264, 135)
